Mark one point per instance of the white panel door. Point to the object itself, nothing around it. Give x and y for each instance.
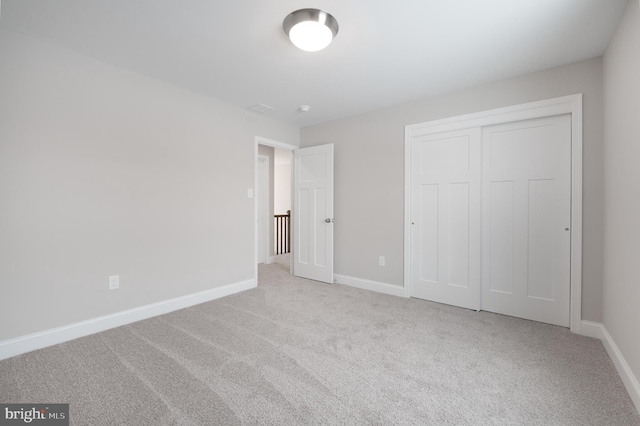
(526, 200)
(313, 213)
(445, 218)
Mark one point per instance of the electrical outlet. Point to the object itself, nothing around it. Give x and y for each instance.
(114, 282)
(381, 260)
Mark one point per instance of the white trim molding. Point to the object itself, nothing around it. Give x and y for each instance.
(592, 329)
(571, 104)
(31, 342)
(276, 144)
(630, 381)
(364, 284)
(626, 374)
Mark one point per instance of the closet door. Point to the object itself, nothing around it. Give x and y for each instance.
(526, 201)
(445, 218)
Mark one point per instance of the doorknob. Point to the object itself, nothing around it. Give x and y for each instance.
(328, 220)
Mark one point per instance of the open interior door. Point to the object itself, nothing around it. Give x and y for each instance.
(313, 213)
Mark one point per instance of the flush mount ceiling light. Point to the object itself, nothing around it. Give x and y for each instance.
(310, 29)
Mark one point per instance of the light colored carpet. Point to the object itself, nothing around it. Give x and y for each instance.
(295, 351)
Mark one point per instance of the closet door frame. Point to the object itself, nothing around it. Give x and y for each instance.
(571, 104)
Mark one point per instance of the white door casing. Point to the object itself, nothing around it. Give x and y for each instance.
(445, 218)
(526, 185)
(263, 208)
(313, 213)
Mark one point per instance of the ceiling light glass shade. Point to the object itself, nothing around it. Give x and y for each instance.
(310, 29)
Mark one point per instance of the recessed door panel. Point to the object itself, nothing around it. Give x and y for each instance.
(459, 234)
(428, 230)
(445, 155)
(303, 236)
(523, 148)
(323, 228)
(541, 240)
(313, 168)
(501, 234)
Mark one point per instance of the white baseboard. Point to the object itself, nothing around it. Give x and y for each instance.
(12, 347)
(599, 331)
(592, 329)
(628, 378)
(376, 286)
(269, 260)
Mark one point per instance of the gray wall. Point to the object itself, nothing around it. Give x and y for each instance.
(622, 180)
(105, 172)
(369, 170)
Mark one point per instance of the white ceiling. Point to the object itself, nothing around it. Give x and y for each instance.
(386, 52)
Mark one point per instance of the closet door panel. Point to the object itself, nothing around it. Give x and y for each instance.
(526, 200)
(446, 208)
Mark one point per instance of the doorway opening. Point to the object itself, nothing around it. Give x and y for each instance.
(273, 170)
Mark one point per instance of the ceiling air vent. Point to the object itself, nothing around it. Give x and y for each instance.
(261, 108)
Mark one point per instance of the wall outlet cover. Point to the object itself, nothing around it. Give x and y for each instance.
(114, 282)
